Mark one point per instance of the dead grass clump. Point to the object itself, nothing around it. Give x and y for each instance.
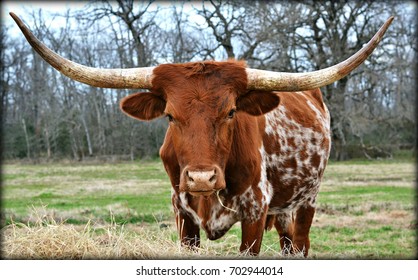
(45, 242)
(47, 238)
(63, 241)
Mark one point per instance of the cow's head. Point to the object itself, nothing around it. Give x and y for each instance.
(201, 101)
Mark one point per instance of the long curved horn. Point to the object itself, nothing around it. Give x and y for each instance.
(282, 81)
(105, 78)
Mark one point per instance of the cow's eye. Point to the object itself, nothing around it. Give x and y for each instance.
(169, 117)
(231, 113)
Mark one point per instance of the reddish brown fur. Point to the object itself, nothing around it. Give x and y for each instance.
(210, 148)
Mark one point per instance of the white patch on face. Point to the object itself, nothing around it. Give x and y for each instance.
(220, 219)
(246, 205)
(185, 205)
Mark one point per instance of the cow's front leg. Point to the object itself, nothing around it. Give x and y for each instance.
(189, 232)
(252, 235)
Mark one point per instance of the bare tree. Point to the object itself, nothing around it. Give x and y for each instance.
(178, 42)
(48, 115)
(138, 19)
(336, 30)
(238, 28)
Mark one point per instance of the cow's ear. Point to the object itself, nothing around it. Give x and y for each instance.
(143, 105)
(257, 103)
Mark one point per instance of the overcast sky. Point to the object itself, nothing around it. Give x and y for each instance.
(21, 7)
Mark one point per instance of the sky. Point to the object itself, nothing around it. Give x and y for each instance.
(22, 8)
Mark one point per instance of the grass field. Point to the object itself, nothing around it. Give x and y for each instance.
(65, 211)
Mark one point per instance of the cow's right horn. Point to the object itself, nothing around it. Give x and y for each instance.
(283, 81)
(134, 78)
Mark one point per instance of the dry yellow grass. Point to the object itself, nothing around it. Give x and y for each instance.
(47, 239)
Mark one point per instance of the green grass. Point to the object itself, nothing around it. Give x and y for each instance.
(365, 208)
(134, 192)
(351, 242)
(358, 195)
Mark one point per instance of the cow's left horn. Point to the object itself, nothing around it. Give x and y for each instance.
(283, 81)
(106, 78)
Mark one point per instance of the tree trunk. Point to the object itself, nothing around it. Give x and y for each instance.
(86, 130)
(28, 154)
(48, 143)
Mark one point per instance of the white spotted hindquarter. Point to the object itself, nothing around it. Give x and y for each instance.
(295, 150)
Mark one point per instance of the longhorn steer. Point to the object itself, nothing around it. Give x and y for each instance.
(242, 144)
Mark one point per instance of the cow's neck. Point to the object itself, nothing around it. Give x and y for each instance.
(244, 163)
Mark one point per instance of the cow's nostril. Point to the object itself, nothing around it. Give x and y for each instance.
(213, 179)
(189, 177)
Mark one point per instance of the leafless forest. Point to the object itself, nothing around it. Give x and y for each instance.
(48, 116)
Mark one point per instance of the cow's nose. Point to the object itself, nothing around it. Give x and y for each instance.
(201, 179)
